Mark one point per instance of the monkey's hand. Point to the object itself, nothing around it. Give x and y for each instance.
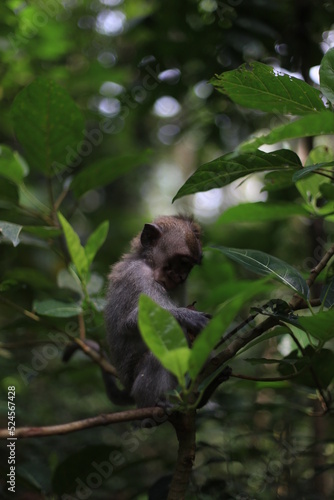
(192, 321)
(191, 335)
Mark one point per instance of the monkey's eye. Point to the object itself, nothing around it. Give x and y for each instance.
(180, 264)
(185, 265)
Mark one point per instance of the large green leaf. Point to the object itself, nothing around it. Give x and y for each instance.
(320, 325)
(164, 337)
(12, 166)
(105, 171)
(56, 308)
(264, 264)
(306, 126)
(232, 166)
(77, 252)
(95, 241)
(326, 74)
(261, 212)
(259, 86)
(49, 126)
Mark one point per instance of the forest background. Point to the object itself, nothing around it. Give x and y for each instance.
(106, 110)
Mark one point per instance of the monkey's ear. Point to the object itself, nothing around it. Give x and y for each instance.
(150, 235)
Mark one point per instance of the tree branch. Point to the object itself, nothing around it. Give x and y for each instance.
(297, 300)
(157, 413)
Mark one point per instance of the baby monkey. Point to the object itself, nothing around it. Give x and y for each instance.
(158, 265)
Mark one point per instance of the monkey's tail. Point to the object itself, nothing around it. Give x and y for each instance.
(115, 394)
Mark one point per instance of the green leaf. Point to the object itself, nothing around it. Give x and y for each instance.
(12, 166)
(95, 284)
(10, 231)
(326, 74)
(306, 171)
(77, 252)
(279, 179)
(307, 126)
(232, 166)
(105, 171)
(276, 332)
(320, 325)
(207, 340)
(95, 241)
(321, 361)
(48, 124)
(259, 86)
(66, 279)
(43, 231)
(261, 212)
(265, 264)
(327, 191)
(56, 309)
(308, 181)
(164, 337)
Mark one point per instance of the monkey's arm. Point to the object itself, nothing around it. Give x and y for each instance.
(189, 319)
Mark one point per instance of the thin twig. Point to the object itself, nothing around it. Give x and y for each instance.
(155, 413)
(23, 311)
(97, 357)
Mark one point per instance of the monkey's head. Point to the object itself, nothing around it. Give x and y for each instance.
(173, 247)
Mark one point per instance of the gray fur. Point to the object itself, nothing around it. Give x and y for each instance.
(159, 244)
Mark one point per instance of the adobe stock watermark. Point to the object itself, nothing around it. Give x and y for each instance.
(311, 262)
(108, 126)
(288, 454)
(42, 356)
(103, 470)
(30, 27)
(51, 350)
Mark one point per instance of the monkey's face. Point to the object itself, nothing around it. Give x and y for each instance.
(174, 247)
(174, 271)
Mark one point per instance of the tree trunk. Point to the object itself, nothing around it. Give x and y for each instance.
(185, 427)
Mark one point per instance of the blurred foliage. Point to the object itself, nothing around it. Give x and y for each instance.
(136, 73)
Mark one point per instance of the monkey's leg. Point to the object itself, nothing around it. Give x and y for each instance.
(152, 382)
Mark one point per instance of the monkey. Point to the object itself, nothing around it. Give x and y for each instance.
(158, 265)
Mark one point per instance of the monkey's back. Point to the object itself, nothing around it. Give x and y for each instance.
(128, 279)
